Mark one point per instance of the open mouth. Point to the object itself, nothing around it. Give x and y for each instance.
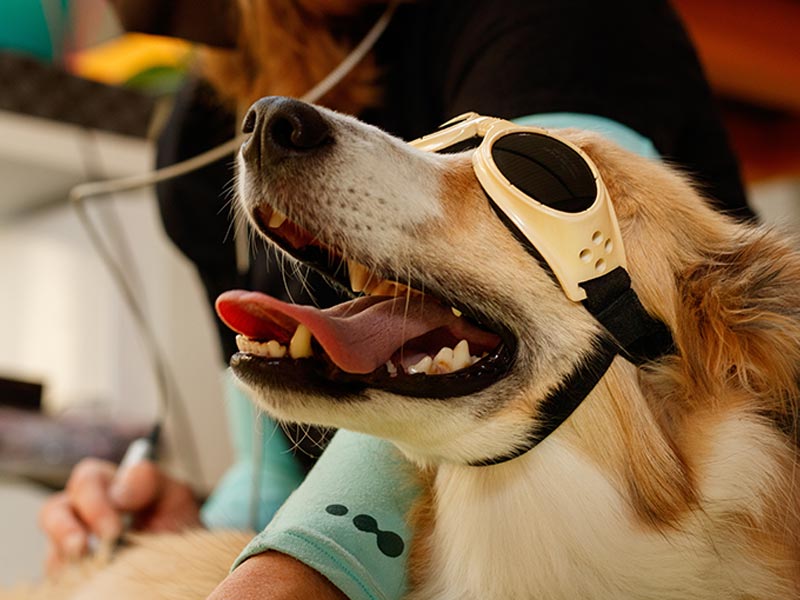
(390, 337)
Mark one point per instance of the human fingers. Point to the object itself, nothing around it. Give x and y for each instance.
(88, 495)
(53, 561)
(67, 535)
(176, 508)
(159, 502)
(137, 487)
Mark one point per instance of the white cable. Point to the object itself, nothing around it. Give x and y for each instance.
(83, 191)
(99, 188)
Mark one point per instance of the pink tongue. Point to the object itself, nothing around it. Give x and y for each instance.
(359, 336)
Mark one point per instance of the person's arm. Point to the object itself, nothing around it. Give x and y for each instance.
(275, 576)
(347, 521)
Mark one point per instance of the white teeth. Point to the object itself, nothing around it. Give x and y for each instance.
(244, 344)
(392, 370)
(300, 345)
(277, 219)
(359, 275)
(423, 366)
(443, 361)
(275, 350)
(456, 312)
(446, 360)
(270, 349)
(461, 356)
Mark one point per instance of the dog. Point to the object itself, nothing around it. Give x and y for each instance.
(674, 478)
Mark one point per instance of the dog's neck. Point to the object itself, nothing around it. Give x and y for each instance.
(616, 430)
(547, 507)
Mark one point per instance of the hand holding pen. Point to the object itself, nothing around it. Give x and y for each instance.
(102, 500)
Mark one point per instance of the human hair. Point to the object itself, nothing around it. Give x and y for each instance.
(284, 47)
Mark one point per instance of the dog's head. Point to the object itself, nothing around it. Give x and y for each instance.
(460, 334)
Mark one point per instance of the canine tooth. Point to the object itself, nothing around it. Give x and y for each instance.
(461, 357)
(300, 346)
(275, 350)
(277, 219)
(423, 366)
(391, 368)
(399, 289)
(456, 312)
(388, 288)
(359, 275)
(380, 287)
(443, 361)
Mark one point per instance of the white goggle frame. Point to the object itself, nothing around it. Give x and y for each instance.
(578, 246)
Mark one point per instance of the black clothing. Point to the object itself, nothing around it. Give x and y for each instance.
(629, 61)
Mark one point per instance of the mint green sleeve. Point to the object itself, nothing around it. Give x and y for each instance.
(263, 474)
(348, 518)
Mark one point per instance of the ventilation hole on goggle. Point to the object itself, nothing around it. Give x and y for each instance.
(600, 265)
(585, 255)
(609, 246)
(547, 170)
(597, 238)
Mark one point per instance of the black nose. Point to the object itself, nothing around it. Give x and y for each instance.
(281, 127)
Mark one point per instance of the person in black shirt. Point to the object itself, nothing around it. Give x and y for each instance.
(628, 61)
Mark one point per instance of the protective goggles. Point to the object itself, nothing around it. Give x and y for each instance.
(552, 198)
(547, 188)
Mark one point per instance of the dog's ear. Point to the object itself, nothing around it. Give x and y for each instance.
(740, 318)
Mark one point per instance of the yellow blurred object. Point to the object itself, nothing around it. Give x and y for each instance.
(115, 62)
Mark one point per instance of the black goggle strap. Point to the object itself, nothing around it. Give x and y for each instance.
(562, 402)
(631, 332)
(611, 300)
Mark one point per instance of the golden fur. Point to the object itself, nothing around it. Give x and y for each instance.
(731, 295)
(284, 48)
(689, 464)
(696, 451)
(184, 566)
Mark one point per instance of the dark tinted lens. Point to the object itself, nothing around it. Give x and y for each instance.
(547, 170)
(462, 146)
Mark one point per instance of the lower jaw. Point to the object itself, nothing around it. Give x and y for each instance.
(302, 376)
(316, 376)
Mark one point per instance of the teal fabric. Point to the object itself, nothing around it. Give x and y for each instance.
(348, 519)
(33, 27)
(370, 478)
(275, 471)
(619, 133)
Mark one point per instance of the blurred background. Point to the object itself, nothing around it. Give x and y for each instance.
(80, 102)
